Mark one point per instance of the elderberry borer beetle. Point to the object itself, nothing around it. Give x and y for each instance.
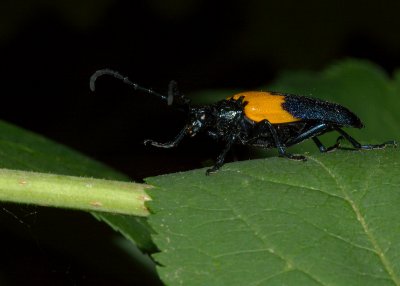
(257, 118)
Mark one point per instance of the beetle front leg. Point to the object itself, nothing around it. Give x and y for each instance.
(169, 144)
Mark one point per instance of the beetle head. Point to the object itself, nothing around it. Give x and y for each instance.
(199, 118)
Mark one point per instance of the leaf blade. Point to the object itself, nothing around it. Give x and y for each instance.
(243, 223)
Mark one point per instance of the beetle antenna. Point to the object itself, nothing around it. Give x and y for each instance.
(126, 80)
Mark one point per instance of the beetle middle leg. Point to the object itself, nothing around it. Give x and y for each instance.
(281, 148)
(221, 158)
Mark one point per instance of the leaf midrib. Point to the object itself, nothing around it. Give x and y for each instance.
(376, 248)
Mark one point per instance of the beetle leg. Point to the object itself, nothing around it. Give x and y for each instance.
(357, 145)
(279, 145)
(169, 144)
(314, 131)
(336, 145)
(323, 149)
(319, 144)
(221, 158)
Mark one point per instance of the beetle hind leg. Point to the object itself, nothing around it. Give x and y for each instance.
(358, 145)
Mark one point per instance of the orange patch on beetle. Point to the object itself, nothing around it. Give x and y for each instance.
(265, 106)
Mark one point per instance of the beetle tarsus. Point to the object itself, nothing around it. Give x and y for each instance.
(148, 142)
(359, 146)
(170, 144)
(379, 146)
(221, 158)
(212, 170)
(294, 157)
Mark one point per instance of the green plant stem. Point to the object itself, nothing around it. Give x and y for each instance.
(73, 192)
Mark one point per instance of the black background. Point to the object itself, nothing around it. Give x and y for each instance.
(49, 49)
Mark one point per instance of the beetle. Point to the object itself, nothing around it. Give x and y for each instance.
(257, 118)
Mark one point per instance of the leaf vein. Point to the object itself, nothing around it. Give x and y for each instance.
(288, 262)
(290, 185)
(385, 262)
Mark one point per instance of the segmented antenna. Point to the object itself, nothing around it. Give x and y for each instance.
(126, 80)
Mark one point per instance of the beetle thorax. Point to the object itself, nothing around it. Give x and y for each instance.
(226, 115)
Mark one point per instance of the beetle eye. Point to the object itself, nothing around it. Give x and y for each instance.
(194, 128)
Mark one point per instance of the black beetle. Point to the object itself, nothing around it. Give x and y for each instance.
(261, 119)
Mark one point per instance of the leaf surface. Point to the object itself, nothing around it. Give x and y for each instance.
(332, 220)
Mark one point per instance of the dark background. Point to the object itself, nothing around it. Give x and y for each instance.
(49, 49)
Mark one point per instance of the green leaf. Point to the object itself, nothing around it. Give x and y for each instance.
(332, 220)
(23, 150)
